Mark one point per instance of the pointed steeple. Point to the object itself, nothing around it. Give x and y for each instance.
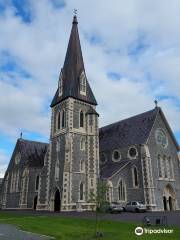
(72, 71)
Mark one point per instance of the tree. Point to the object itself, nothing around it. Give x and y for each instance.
(99, 200)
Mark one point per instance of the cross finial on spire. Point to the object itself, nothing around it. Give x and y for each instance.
(156, 103)
(75, 17)
(75, 11)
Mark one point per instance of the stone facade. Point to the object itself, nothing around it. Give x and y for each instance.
(21, 181)
(158, 192)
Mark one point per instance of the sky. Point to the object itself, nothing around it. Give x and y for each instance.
(131, 51)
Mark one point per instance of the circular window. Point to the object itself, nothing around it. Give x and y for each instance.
(103, 158)
(116, 156)
(161, 138)
(132, 152)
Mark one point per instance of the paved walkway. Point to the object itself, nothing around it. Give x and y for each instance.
(10, 232)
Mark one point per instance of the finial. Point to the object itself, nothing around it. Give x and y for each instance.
(75, 11)
(21, 135)
(75, 17)
(156, 103)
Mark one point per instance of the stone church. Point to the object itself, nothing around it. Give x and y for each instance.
(136, 157)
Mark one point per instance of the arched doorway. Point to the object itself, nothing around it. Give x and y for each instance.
(57, 201)
(169, 198)
(35, 203)
(170, 203)
(165, 203)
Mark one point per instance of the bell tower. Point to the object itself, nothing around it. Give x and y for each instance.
(72, 163)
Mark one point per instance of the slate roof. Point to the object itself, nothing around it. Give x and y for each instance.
(92, 111)
(109, 169)
(72, 69)
(32, 152)
(131, 131)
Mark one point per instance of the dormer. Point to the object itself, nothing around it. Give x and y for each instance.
(83, 83)
(60, 83)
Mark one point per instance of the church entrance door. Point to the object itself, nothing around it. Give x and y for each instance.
(57, 201)
(35, 203)
(170, 203)
(165, 203)
(169, 198)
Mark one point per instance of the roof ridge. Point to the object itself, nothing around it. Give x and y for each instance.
(137, 115)
(33, 141)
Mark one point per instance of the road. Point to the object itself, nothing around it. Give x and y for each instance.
(173, 217)
(9, 232)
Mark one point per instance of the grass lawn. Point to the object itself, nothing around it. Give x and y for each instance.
(71, 228)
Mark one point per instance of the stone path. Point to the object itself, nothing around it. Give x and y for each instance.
(10, 232)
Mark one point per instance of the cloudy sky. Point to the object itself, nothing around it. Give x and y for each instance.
(131, 52)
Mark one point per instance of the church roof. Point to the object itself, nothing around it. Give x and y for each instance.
(131, 131)
(134, 130)
(71, 71)
(32, 152)
(109, 169)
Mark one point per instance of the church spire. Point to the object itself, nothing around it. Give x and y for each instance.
(72, 72)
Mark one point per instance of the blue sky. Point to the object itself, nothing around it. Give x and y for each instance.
(131, 48)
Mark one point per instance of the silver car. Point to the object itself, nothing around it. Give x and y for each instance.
(135, 206)
(115, 208)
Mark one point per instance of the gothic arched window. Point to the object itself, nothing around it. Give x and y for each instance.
(121, 191)
(81, 119)
(82, 144)
(82, 165)
(58, 121)
(159, 166)
(81, 191)
(63, 119)
(57, 170)
(165, 166)
(24, 186)
(37, 182)
(135, 176)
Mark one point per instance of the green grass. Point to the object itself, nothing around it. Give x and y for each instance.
(71, 228)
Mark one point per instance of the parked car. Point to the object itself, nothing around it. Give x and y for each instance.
(135, 206)
(115, 208)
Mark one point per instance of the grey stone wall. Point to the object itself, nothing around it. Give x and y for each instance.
(171, 151)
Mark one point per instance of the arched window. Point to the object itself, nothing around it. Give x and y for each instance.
(63, 119)
(135, 176)
(82, 165)
(57, 170)
(83, 83)
(159, 166)
(37, 182)
(121, 191)
(81, 188)
(82, 144)
(171, 168)
(24, 186)
(58, 120)
(81, 119)
(165, 166)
